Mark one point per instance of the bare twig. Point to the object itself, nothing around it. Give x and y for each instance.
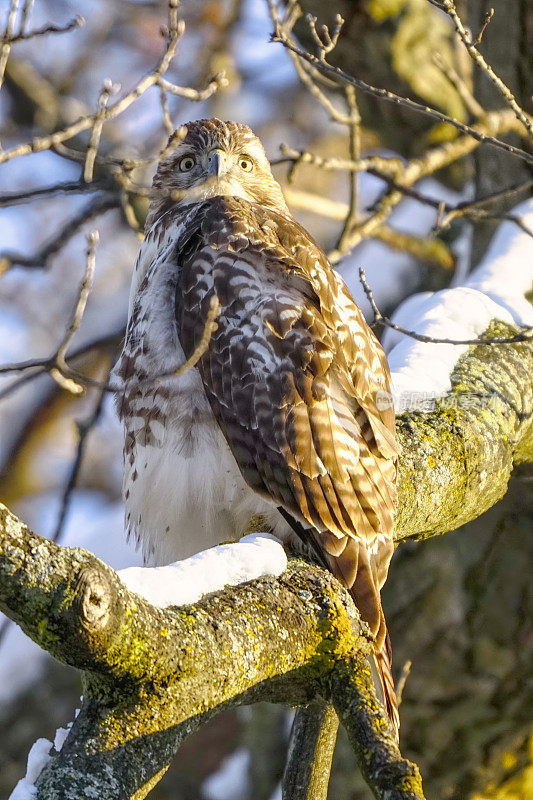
(83, 428)
(79, 309)
(163, 99)
(56, 364)
(355, 155)
(25, 15)
(96, 207)
(488, 17)
(64, 187)
(325, 42)
(281, 35)
(6, 45)
(463, 90)
(107, 90)
(22, 36)
(471, 46)
(402, 680)
(527, 334)
(219, 81)
(380, 164)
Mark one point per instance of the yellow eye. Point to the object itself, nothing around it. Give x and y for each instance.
(187, 163)
(246, 163)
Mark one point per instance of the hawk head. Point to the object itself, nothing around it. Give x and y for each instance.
(213, 158)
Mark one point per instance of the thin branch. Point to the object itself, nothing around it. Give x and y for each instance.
(83, 428)
(40, 259)
(22, 36)
(281, 35)
(463, 90)
(488, 17)
(64, 187)
(526, 336)
(6, 46)
(96, 131)
(402, 680)
(163, 99)
(219, 81)
(381, 164)
(56, 364)
(354, 144)
(471, 46)
(60, 365)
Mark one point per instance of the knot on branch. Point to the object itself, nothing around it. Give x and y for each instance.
(95, 596)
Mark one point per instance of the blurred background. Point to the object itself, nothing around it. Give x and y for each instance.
(459, 606)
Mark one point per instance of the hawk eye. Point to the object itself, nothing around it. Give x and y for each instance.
(187, 163)
(246, 163)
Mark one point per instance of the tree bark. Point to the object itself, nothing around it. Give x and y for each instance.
(152, 676)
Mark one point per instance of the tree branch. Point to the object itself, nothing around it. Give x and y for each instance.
(282, 34)
(311, 746)
(153, 675)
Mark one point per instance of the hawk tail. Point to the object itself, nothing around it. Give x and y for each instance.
(380, 665)
(348, 559)
(363, 576)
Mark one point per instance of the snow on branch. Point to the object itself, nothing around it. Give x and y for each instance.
(465, 413)
(496, 290)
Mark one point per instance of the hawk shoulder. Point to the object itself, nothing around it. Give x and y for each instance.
(292, 371)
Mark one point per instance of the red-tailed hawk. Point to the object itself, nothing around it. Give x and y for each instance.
(280, 421)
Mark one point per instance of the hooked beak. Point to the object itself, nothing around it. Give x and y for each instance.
(217, 165)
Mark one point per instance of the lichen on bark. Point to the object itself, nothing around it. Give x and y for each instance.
(457, 458)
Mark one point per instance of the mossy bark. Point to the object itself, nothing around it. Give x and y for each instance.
(152, 676)
(457, 458)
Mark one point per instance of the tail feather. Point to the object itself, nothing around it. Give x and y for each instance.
(363, 575)
(354, 567)
(382, 672)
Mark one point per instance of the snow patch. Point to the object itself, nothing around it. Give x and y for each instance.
(185, 582)
(38, 758)
(420, 371)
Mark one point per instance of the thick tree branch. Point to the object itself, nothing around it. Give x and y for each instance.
(152, 676)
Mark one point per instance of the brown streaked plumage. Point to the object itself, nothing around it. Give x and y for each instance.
(283, 408)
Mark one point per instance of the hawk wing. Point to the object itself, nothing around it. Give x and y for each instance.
(293, 373)
(299, 386)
